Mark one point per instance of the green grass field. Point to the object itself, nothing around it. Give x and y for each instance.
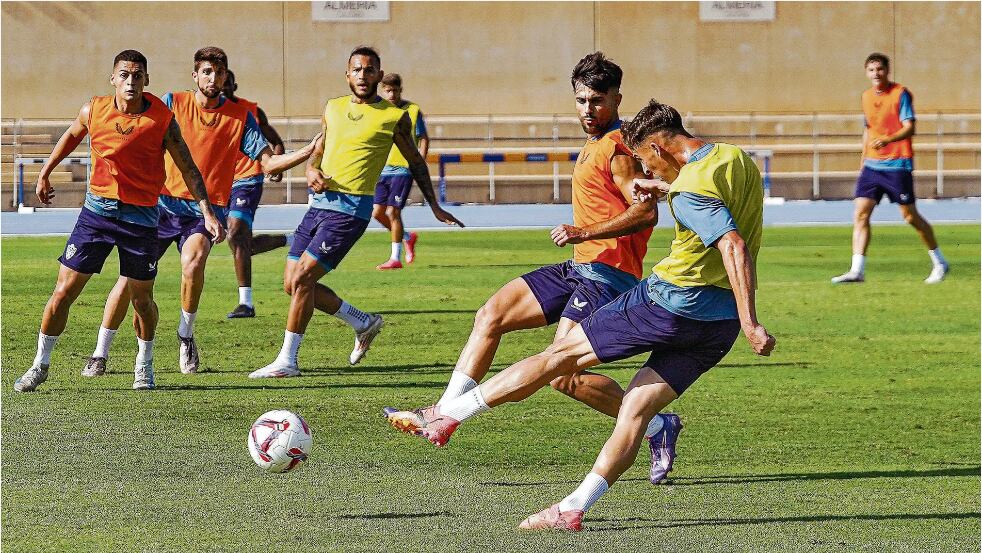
(861, 432)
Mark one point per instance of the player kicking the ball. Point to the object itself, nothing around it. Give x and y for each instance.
(359, 131)
(129, 132)
(687, 314)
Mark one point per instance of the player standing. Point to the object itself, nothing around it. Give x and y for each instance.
(359, 131)
(216, 131)
(610, 238)
(247, 190)
(129, 133)
(688, 313)
(392, 190)
(888, 165)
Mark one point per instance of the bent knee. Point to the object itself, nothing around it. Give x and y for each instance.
(489, 318)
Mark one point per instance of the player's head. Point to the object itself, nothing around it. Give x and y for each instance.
(596, 86)
(129, 74)
(230, 87)
(647, 135)
(878, 69)
(364, 72)
(210, 70)
(392, 87)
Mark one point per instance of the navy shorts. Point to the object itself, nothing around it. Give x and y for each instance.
(681, 348)
(897, 185)
(177, 229)
(327, 236)
(244, 201)
(562, 292)
(393, 190)
(94, 237)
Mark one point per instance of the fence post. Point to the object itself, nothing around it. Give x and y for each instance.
(20, 185)
(939, 187)
(816, 192)
(555, 164)
(288, 177)
(443, 181)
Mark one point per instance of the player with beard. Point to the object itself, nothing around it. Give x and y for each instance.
(359, 131)
(609, 234)
(216, 131)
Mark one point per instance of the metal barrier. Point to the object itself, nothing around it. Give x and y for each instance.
(21, 161)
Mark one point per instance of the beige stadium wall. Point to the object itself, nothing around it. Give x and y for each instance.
(501, 57)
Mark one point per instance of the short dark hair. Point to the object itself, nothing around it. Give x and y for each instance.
(211, 54)
(597, 72)
(392, 79)
(131, 56)
(876, 56)
(653, 118)
(365, 51)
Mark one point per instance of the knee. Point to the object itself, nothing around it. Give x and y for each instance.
(636, 405)
(298, 282)
(392, 213)
(142, 303)
(488, 319)
(288, 286)
(238, 237)
(910, 217)
(60, 297)
(193, 266)
(862, 217)
(565, 384)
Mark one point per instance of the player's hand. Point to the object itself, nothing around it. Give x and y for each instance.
(761, 342)
(316, 180)
(214, 227)
(655, 187)
(313, 143)
(446, 217)
(567, 234)
(877, 143)
(44, 191)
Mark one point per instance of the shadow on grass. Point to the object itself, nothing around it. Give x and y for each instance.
(798, 364)
(415, 368)
(486, 266)
(428, 311)
(377, 516)
(618, 523)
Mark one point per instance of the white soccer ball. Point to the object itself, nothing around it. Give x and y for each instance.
(279, 441)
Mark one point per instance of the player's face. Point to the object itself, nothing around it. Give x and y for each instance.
(654, 163)
(210, 78)
(596, 110)
(128, 79)
(392, 93)
(877, 74)
(364, 75)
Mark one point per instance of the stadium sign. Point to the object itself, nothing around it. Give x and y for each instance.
(736, 11)
(349, 11)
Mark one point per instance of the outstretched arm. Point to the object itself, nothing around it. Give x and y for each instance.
(277, 163)
(743, 281)
(70, 140)
(403, 139)
(178, 149)
(273, 137)
(639, 215)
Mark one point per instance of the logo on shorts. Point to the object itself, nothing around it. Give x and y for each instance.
(153, 265)
(324, 248)
(903, 197)
(398, 198)
(578, 304)
(240, 201)
(70, 251)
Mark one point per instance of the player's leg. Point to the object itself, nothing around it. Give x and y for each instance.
(902, 193)
(595, 390)
(863, 209)
(394, 215)
(117, 303)
(240, 242)
(194, 256)
(145, 317)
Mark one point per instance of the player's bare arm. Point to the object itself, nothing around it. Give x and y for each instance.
(273, 137)
(277, 163)
(403, 139)
(424, 141)
(316, 180)
(642, 213)
(907, 130)
(178, 148)
(743, 281)
(70, 140)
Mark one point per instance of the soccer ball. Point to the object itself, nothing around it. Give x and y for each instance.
(279, 441)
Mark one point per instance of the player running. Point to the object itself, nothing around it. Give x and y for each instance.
(392, 190)
(687, 314)
(247, 190)
(610, 235)
(888, 165)
(129, 132)
(217, 131)
(359, 131)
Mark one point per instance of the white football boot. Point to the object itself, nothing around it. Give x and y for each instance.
(363, 339)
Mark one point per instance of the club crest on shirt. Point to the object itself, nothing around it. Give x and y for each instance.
(583, 157)
(122, 131)
(70, 251)
(355, 117)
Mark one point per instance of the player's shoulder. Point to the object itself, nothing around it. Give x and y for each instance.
(337, 100)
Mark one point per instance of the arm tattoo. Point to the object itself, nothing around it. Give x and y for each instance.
(174, 142)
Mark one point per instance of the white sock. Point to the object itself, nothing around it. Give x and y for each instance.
(289, 239)
(144, 353)
(353, 316)
(291, 344)
(465, 406)
(858, 263)
(589, 491)
(655, 426)
(245, 295)
(185, 328)
(396, 251)
(936, 257)
(106, 336)
(458, 385)
(45, 345)
(405, 236)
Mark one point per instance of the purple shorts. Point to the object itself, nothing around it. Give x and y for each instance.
(327, 236)
(94, 237)
(897, 185)
(244, 201)
(681, 348)
(562, 292)
(178, 228)
(393, 190)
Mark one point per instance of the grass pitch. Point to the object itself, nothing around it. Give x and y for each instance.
(861, 432)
